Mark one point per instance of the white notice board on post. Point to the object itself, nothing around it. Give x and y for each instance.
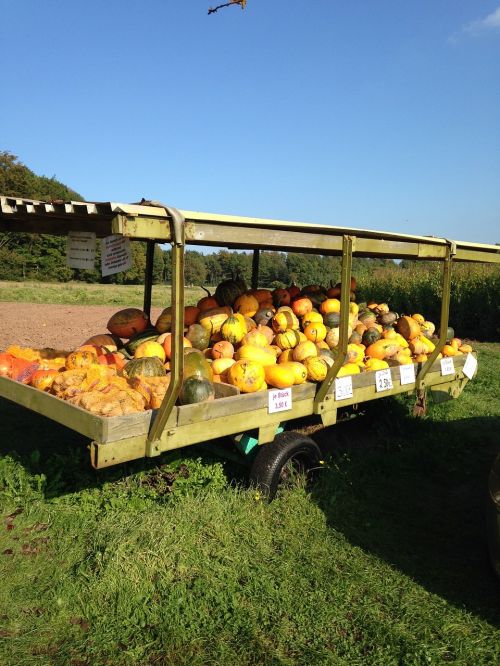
(116, 255)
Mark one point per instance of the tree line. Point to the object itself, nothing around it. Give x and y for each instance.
(42, 257)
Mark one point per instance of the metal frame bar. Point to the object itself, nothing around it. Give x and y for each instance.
(148, 277)
(345, 300)
(444, 317)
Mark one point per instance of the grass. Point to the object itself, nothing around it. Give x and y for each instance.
(172, 561)
(79, 293)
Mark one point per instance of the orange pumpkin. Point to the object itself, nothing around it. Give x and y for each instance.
(330, 305)
(111, 342)
(302, 306)
(5, 364)
(246, 304)
(298, 369)
(408, 327)
(262, 295)
(315, 331)
(262, 355)
(191, 313)
(126, 323)
(283, 320)
(42, 379)
(166, 342)
(222, 349)
(279, 376)
(255, 337)
(304, 350)
(113, 359)
(382, 349)
(281, 297)
(267, 331)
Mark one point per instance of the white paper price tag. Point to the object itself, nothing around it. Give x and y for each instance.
(383, 380)
(343, 388)
(80, 249)
(407, 374)
(470, 366)
(447, 366)
(280, 400)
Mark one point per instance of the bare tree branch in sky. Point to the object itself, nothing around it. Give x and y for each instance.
(241, 3)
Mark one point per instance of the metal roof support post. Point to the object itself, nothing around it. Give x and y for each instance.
(148, 278)
(444, 318)
(255, 269)
(177, 358)
(345, 300)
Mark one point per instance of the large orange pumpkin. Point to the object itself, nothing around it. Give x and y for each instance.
(128, 322)
(408, 327)
(279, 376)
(382, 349)
(246, 304)
(302, 306)
(262, 355)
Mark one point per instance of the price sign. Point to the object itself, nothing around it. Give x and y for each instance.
(407, 374)
(80, 250)
(116, 255)
(383, 380)
(343, 388)
(280, 400)
(447, 366)
(470, 366)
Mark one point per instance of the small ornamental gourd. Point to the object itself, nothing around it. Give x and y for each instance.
(316, 368)
(147, 366)
(247, 375)
(81, 359)
(288, 339)
(234, 329)
(212, 320)
(195, 390)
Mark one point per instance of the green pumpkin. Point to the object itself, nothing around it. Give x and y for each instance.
(331, 319)
(196, 390)
(196, 365)
(370, 336)
(229, 290)
(198, 336)
(139, 338)
(147, 367)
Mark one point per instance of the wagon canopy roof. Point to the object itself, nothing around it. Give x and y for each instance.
(150, 220)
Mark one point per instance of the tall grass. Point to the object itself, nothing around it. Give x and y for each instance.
(475, 295)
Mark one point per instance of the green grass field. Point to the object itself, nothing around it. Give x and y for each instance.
(173, 561)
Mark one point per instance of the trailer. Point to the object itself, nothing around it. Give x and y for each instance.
(259, 431)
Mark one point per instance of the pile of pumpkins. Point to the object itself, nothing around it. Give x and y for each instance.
(252, 339)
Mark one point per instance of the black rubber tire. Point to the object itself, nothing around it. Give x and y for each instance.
(271, 461)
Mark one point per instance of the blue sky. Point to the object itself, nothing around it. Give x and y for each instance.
(383, 115)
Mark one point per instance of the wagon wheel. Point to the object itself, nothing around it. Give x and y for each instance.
(284, 462)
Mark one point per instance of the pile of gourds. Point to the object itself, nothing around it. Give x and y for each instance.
(252, 339)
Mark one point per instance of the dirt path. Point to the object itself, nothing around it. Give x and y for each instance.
(59, 326)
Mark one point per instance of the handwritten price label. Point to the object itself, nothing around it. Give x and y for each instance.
(343, 388)
(407, 374)
(383, 380)
(447, 366)
(280, 400)
(470, 366)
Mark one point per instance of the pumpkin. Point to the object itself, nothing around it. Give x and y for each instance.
(222, 349)
(263, 316)
(330, 305)
(262, 295)
(382, 349)
(111, 342)
(303, 350)
(208, 302)
(331, 319)
(465, 349)
(334, 291)
(367, 317)
(196, 390)
(311, 318)
(447, 350)
(355, 338)
(136, 340)
(316, 368)
(164, 322)
(126, 323)
(23, 370)
(255, 337)
(375, 364)
(287, 340)
(355, 353)
(165, 341)
(222, 365)
(408, 327)
(247, 375)
(148, 366)
(399, 358)
(428, 329)
(262, 355)
(370, 336)
(5, 364)
(302, 306)
(196, 365)
(249, 324)
(229, 290)
(113, 359)
(283, 320)
(198, 336)
(285, 356)
(293, 290)
(80, 359)
(349, 369)
(298, 369)
(267, 331)
(387, 319)
(315, 331)
(420, 319)
(280, 297)
(234, 329)
(279, 376)
(246, 304)
(150, 348)
(191, 313)
(212, 320)
(42, 379)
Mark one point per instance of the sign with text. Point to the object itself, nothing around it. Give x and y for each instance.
(280, 400)
(407, 374)
(80, 250)
(343, 388)
(447, 366)
(383, 380)
(470, 366)
(116, 255)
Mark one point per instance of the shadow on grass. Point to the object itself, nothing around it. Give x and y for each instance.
(413, 493)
